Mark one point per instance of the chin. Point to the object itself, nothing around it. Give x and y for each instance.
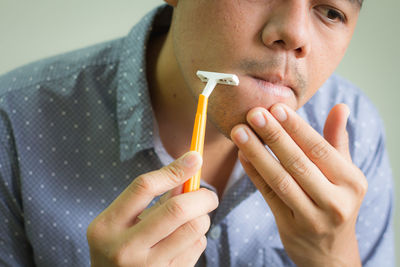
(225, 118)
(226, 110)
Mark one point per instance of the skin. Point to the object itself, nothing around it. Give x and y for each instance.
(315, 191)
(282, 51)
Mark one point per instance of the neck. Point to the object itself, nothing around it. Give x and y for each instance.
(175, 107)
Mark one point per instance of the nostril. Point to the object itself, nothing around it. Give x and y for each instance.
(301, 52)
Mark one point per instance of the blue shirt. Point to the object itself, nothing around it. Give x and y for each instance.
(76, 129)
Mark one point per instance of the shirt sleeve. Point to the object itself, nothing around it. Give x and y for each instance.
(374, 224)
(14, 246)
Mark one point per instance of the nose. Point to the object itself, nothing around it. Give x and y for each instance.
(288, 28)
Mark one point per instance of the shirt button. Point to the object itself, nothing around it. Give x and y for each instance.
(215, 232)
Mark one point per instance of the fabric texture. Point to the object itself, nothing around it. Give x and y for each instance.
(76, 129)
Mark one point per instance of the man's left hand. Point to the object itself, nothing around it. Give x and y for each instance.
(312, 187)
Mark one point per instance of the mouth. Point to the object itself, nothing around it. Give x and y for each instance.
(273, 85)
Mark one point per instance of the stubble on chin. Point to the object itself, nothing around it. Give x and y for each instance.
(225, 112)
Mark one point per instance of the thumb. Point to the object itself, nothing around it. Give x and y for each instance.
(335, 129)
(175, 173)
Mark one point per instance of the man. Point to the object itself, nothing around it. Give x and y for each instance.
(96, 126)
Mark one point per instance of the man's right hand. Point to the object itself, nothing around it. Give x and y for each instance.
(171, 234)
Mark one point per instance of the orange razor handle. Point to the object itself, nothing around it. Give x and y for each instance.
(199, 131)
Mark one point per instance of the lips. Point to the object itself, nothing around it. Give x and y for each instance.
(273, 85)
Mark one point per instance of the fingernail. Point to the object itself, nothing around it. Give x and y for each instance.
(240, 135)
(190, 159)
(279, 113)
(258, 119)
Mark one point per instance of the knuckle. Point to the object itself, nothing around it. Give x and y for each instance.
(267, 191)
(92, 232)
(96, 230)
(273, 136)
(250, 155)
(174, 173)
(363, 187)
(270, 195)
(211, 201)
(360, 187)
(118, 257)
(115, 251)
(297, 166)
(343, 215)
(340, 213)
(206, 222)
(198, 226)
(201, 244)
(195, 250)
(320, 150)
(143, 185)
(175, 209)
(318, 228)
(282, 183)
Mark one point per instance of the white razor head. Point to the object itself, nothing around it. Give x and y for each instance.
(221, 78)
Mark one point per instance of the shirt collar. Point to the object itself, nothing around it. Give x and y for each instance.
(134, 111)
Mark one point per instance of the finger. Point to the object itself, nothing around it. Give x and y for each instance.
(270, 169)
(171, 215)
(277, 206)
(331, 163)
(291, 157)
(136, 197)
(179, 241)
(171, 193)
(335, 129)
(192, 254)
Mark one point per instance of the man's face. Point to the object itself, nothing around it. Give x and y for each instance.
(281, 50)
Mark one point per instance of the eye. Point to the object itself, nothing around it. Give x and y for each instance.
(332, 14)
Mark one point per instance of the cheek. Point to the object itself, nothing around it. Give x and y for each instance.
(209, 38)
(325, 57)
(210, 34)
